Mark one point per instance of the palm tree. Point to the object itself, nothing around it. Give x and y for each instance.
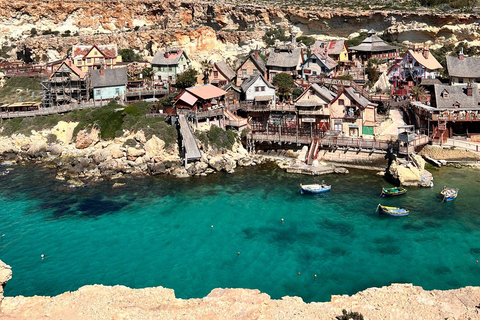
(207, 68)
(417, 92)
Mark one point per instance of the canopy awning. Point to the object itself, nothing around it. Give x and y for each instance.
(263, 98)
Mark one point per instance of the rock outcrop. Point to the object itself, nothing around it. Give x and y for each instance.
(410, 173)
(395, 302)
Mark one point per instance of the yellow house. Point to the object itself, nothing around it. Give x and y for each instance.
(86, 57)
(351, 114)
(337, 50)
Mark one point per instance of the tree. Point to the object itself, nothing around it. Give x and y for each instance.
(306, 40)
(284, 82)
(417, 92)
(33, 32)
(274, 34)
(372, 72)
(187, 78)
(147, 73)
(128, 55)
(207, 69)
(296, 93)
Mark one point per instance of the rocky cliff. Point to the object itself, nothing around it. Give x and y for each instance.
(396, 302)
(149, 25)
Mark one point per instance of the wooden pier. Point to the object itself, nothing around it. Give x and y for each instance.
(189, 142)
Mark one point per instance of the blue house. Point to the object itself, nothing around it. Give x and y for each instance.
(109, 84)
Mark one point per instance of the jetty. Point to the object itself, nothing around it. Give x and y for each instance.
(189, 142)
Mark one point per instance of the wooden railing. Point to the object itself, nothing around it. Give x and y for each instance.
(136, 93)
(468, 116)
(48, 111)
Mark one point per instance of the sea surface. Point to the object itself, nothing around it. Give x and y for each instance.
(226, 230)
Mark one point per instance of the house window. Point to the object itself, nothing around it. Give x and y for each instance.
(244, 72)
(255, 71)
(460, 80)
(169, 78)
(314, 73)
(108, 61)
(262, 88)
(314, 60)
(337, 126)
(445, 94)
(170, 69)
(98, 92)
(117, 91)
(89, 60)
(79, 62)
(215, 74)
(257, 89)
(341, 102)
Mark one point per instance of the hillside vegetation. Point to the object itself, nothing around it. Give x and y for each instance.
(112, 119)
(21, 89)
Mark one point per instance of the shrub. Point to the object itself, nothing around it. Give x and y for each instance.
(33, 32)
(218, 138)
(306, 40)
(273, 34)
(296, 92)
(128, 55)
(350, 315)
(51, 138)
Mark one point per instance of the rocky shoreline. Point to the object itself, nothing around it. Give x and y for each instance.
(395, 302)
(86, 157)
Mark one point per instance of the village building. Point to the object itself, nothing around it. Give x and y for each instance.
(374, 48)
(221, 74)
(313, 110)
(417, 64)
(252, 66)
(463, 69)
(455, 110)
(351, 114)
(167, 65)
(109, 84)
(96, 57)
(286, 59)
(200, 98)
(67, 84)
(337, 50)
(258, 91)
(233, 93)
(318, 64)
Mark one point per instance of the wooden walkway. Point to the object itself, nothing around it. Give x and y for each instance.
(189, 142)
(342, 142)
(49, 111)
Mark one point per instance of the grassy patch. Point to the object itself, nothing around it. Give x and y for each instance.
(112, 119)
(20, 89)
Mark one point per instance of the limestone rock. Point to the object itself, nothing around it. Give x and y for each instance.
(56, 150)
(5, 275)
(140, 137)
(217, 163)
(86, 139)
(37, 148)
(64, 131)
(134, 153)
(154, 147)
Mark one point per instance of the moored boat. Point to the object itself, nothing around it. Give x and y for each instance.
(449, 194)
(392, 211)
(395, 191)
(314, 188)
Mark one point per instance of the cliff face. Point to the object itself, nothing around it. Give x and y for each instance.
(205, 26)
(398, 301)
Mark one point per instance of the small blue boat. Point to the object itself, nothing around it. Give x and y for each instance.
(314, 188)
(392, 211)
(449, 194)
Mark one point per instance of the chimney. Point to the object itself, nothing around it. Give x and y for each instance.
(460, 55)
(102, 72)
(256, 54)
(469, 89)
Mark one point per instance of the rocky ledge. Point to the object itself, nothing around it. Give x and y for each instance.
(86, 157)
(397, 301)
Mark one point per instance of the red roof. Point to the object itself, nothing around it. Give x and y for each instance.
(206, 91)
(109, 51)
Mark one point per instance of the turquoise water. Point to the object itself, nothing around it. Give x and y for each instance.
(157, 231)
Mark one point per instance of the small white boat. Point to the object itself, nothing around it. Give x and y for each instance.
(314, 188)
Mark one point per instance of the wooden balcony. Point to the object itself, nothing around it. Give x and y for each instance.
(457, 116)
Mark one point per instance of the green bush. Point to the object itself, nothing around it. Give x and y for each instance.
(357, 40)
(128, 55)
(350, 315)
(306, 40)
(218, 138)
(273, 34)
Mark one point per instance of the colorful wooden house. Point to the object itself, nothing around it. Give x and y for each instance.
(463, 70)
(200, 98)
(374, 48)
(286, 59)
(109, 84)
(351, 114)
(337, 50)
(252, 66)
(167, 65)
(257, 90)
(221, 74)
(96, 57)
(318, 64)
(313, 109)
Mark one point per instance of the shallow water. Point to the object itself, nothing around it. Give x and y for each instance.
(186, 234)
